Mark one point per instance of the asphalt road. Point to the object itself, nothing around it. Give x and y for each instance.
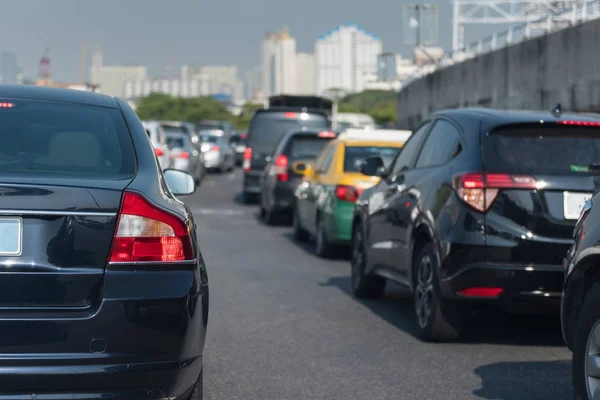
(283, 325)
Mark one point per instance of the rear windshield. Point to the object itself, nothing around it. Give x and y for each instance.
(354, 156)
(306, 147)
(266, 129)
(542, 150)
(174, 129)
(208, 138)
(175, 142)
(64, 139)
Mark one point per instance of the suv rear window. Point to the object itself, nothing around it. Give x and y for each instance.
(355, 155)
(267, 128)
(64, 139)
(552, 150)
(175, 142)
(306, 147)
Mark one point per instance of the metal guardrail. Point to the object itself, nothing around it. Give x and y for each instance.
(578, 14)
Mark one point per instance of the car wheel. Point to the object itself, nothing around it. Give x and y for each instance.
(197, 391)
(300, 235)
(586, 349)
(363, 286)
(323, 248)
(438, 319)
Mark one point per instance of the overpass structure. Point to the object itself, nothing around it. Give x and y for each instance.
(548, 64)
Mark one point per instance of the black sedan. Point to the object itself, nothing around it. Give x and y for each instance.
(104, 289)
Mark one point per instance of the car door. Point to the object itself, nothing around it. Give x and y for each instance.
(303, 190)
(379, 239)
(316, 189)
(424, 190)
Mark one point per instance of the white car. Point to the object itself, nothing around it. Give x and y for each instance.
(159, 141)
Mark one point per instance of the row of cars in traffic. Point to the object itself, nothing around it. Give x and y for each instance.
(475, 209)
(196, 148)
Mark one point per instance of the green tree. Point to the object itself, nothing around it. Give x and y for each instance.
(379, 104)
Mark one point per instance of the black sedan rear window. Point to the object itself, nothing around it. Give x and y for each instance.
(354, 156)
(552, 150)
(64, 139)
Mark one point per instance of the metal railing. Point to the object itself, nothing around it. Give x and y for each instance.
(578, 14)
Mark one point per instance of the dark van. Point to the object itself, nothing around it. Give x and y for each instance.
(266, 128)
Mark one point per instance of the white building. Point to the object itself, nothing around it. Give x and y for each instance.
(279, 64)
(218, 79)
(111, 79)
(344, 57)
(306, 74)
(194, 86)
(253, 85)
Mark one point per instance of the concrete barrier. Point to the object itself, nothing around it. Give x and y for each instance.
(562, 67)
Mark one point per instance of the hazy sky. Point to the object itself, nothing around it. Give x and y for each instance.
(157, 33)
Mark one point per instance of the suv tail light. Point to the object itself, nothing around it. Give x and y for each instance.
(347, 193)
(148, 234)
(215, 148)
(158, 152)
(479, 189)
(184, 154)
(281, 168)
(247, 159)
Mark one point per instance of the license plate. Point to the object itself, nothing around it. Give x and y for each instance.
(573, 204)
(11, 236)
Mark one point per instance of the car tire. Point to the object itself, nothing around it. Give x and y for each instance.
(300, 234)
(363, 286)
(323, 248)
(438, 319)
(198, 388)
(588, 321)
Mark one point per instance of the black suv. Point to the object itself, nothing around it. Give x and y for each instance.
(266, 128)
(580, 314)
(478, 208)
(282, 174)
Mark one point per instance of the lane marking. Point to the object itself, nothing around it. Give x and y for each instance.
(217, 211)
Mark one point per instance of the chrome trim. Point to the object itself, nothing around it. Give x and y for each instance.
(184, 262)
(58, 213)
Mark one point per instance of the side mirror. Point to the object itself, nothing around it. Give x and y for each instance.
(372, 166)
(300, 167)
(180, 183)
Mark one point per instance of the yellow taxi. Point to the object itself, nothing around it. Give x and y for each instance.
(332, 183)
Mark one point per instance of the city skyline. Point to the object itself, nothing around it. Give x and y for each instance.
(189, 31)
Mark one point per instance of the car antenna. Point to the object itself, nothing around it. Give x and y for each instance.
(557, 110)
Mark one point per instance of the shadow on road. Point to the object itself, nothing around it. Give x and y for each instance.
(342, 253)
(490, 327)
(525, 380)
(239, 199)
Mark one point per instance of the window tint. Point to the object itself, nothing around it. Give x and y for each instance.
(267, 128)
(64, 139)
(441, 145)
(410, 148)
(354, 156)
(322, 158)
(176, 141)
(208, 138)
(541, 149)
(327, 162)
(306, 147)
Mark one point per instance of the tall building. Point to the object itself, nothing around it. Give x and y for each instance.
(306, 74)
(8, 68)
(111, 79)
(253, 85)
(192, 86)
(386, 67)
(217, 79)
(344, 57)
(279, 64)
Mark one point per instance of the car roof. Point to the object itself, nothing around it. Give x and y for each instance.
(494, 118)
(31, 92)
(276, 111)
(368, 136)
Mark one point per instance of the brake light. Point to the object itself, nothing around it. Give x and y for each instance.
(479, 190)
(290, 115)
(347, 193)
(281, 168)
(580, 123)
(185, 154)
(215, 148)
(146, 233)
(326, 134)
(7, 105)
(481, 292)
(159, 152)
(247, 159)
(243, 136)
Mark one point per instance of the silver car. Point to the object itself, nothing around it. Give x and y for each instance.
(184, 156)
(217, 150)
(196, 158)
(158, 139)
